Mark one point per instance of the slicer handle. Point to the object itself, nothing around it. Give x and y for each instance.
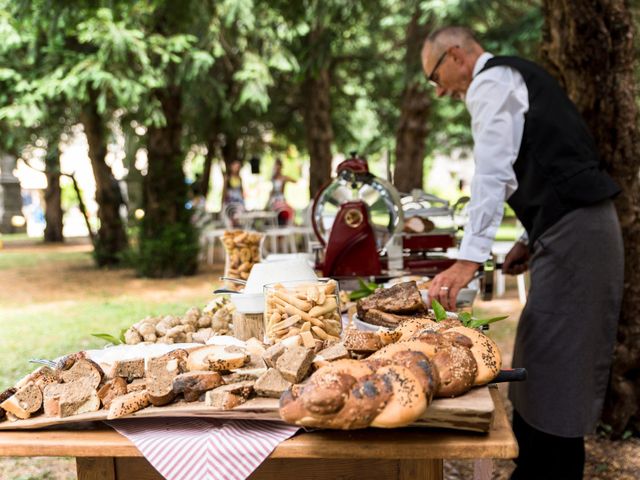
(511, 375)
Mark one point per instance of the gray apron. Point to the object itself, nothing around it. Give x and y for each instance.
(567, 331)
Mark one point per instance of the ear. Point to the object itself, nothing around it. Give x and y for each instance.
(457, 54)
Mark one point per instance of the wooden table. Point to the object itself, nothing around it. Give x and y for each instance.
(374, 454)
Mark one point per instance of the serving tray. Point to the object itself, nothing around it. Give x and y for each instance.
(472, 411)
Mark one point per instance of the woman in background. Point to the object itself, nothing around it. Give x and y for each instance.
(277, 202)
(232, 192)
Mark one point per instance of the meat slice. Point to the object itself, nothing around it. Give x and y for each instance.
(401, 299)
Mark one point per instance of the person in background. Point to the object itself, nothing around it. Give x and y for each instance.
(277, 202)
(533, 149)
(232, 193)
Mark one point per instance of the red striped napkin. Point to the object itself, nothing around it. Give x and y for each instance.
(204, 448)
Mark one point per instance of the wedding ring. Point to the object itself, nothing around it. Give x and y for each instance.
(444, 288)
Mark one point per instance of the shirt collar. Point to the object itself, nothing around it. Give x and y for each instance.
(480, 62)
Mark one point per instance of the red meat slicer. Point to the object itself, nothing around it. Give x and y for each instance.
(357, 217)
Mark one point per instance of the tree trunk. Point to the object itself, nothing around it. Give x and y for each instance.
(316, 95)
(112, 238)
(412, 130)
(208, 163)
(230, 150)
(589, 46)
(53, 195)
(168, 243)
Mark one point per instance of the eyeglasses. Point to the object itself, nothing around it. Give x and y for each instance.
(433, 79)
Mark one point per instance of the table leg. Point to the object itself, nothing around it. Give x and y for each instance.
(420, 469)
(95, 468)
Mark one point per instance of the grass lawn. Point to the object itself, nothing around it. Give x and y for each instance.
(42, 332)
(52, 299)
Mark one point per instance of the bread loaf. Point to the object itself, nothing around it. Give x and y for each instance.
(392, 390)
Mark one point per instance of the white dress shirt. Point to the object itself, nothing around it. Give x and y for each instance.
(497, 100)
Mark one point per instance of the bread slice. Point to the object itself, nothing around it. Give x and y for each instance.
(194, 384)
(294, 363)
(243, 375)
(217, 358)
(271, 384)
(115, 387)
(160, 373)
(80, 398)
(128, 404)
(271, 354)
(136, 385)
(334, 352)
(26, 400)
(42, 376)
(227, 397)
(129, 369)
(83, 369)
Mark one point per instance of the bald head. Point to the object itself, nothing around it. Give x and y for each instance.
(446, 37)
(448, 57)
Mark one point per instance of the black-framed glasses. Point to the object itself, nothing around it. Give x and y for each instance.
(433, 80)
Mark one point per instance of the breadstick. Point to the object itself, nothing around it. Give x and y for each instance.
(296, 302)
(291, 310)
(288, 322)
(320, 333)
(328, 307)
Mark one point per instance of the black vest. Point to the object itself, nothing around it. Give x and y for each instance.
(558, 168)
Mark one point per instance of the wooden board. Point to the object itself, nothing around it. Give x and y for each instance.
(472, 411)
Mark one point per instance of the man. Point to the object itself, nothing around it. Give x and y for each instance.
(532, 149)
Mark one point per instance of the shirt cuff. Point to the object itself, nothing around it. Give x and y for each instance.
(475, 248)
(524, 238)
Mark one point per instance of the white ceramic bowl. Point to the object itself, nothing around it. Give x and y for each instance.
(248, 302)
(284, 271)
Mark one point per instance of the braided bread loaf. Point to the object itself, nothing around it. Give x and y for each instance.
(394, 386)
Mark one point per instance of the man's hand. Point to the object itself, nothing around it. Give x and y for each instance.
(517, 260)
(445, 286)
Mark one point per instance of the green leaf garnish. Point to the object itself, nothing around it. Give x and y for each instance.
(438, 310)
(365, 290)
(465, 318)
(108, 338)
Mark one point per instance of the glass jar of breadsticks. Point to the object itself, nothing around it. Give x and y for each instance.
(242, 251)
(309, 310)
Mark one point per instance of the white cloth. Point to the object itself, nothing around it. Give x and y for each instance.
(497, 100)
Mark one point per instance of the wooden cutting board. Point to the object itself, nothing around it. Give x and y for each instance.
(472, 411)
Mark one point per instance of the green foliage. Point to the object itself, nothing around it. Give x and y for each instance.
(173, 252)
(110, 338)
(366, 289)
